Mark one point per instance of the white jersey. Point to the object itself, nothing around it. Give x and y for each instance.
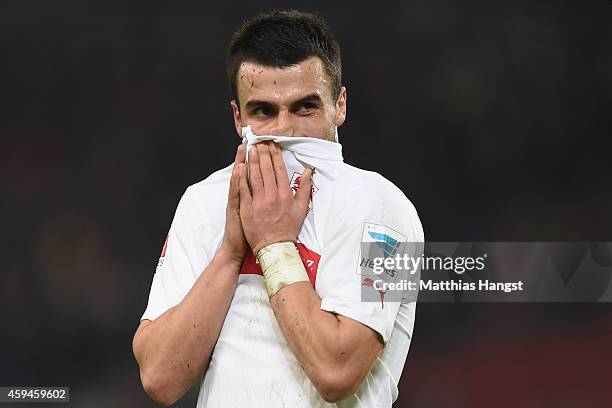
(252, 364)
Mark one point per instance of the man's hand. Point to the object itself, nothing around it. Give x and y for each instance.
(269, 212)
(234, 243)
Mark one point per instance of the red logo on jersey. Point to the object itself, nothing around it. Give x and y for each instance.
(310, 259)
(163, 254)
(370, 282)
(295, 186)
(162, 257)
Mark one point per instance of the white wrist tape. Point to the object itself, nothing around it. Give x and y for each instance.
(281, 265)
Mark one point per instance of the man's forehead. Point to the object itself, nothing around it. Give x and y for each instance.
(257, 81)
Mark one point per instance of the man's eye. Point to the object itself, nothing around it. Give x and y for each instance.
(260, 111)
(307, 108)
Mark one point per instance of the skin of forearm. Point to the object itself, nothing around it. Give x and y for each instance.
(174, 350)
(335, 360)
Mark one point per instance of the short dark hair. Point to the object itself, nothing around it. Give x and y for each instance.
(280, 39)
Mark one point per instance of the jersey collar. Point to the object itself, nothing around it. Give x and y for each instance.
(306, 146)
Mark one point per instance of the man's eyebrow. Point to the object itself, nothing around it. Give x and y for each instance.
(313, 98)
(257, 104)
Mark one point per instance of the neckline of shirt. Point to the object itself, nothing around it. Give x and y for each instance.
(307, 146)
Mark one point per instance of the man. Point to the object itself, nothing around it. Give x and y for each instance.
(256, 293)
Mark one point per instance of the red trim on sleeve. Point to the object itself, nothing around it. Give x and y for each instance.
(310, 259)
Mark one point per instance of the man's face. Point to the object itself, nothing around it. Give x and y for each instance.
(293, 101)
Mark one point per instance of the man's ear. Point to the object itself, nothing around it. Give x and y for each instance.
(340, 107)
(237, 119)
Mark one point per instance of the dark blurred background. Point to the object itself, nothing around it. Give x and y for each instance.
(494, 119)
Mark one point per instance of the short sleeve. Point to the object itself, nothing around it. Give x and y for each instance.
(181, 262)
(382, 208)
